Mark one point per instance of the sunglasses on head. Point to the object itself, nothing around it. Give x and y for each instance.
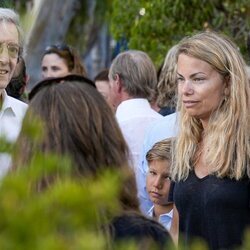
(59, 48)
(51, 81)
(62, 47)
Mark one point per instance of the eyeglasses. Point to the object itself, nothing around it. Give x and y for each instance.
(13, 49)
(50, 81)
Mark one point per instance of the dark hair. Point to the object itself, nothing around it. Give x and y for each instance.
(102, 75)
(138, 228)
(54, 80)
(70, 56)
(78, 123)
(17, 83)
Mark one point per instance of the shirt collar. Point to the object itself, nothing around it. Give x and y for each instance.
(138, 101)
(8, 104)
(131, 106)
(150, 211)
(169, 214)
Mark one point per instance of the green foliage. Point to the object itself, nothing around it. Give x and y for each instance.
(155, 26)
(64, 216)
(6, 3)
(5, 146)
(19, 5)
(246, 244)
(44, 206)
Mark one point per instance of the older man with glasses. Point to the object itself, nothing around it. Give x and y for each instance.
(12, 111)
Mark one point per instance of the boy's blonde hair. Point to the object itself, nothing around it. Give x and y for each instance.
(161, 151)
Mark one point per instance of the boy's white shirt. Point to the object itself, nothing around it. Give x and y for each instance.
(164, 219)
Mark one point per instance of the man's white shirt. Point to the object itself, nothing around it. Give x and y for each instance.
(11, 117)
(134, 117)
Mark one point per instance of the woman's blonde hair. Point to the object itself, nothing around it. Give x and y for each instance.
(166, 86)
(227, 135)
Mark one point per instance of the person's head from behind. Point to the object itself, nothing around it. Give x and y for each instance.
(11, 43)
(78, 123)
(18, 82)
(158, 179)
(144, 232)
(132, 75)
(61, 60)
(167, 86)
(213, 93)
(102, 84)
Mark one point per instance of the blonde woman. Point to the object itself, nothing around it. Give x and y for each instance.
(211, 166)
(166, 86)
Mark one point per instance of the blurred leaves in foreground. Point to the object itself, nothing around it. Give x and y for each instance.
(66, 215)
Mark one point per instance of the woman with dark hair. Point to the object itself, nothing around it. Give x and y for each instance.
(78, 123)
(61, 60)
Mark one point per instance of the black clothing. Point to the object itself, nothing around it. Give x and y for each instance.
(216, 210)
(166, 111)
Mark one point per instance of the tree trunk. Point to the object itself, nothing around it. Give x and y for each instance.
(50, 27)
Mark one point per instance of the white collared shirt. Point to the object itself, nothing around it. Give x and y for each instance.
(134, 117)
(164, 219)
(11, 116)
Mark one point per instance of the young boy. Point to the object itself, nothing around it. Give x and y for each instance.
(158, 182)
